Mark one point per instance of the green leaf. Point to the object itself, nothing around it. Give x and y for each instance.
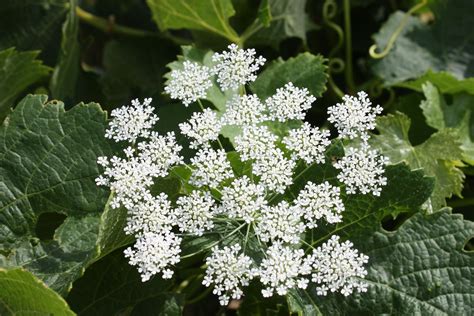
(457, 115)
(405, 192)
(279, 20)
(419, 269)
(23, 294)
(444, 81)
(33, 25)
(211, 16)
(64, 79)
(113, 287)
(265, 13)
(305, 70)
(440, 46)
(439, 156)
(300, 302)
(134, 69)
(254, 304)
(48, 165)
(18, 70)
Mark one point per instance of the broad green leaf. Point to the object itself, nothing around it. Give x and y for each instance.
(134, 68)
(440, 46)
(33, 25)
(211, 16)
(439, 156)
(444, 81)
(18, 70)
(405, 192)
(419, 269)
(113, 287)
(21, 293)
(279, 20)
(48, 165)
(64, 79)
(305, 70)
(457, 115)
(301, 303)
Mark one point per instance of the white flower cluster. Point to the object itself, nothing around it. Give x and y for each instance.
(243, 199)
(320, 200)
(229, 271)
(189, 84)
(289, 103)
(355, 117)
(283, 268)
(236, 67)
(253, 191)
(308, 143)
(362, 170)
(203, 127)
(131, 122)
(338, 267)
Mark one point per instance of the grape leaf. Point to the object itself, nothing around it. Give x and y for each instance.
(111, 287)
(419, 269)
(212, 16)
(405, 192)
(439, 156)
(64, 79)
(278, 20)
(444, 81)
(305, 70)
(18, 70)
(21, 293)
(33, 25)
(443, 45)
(457, 115)
(48, 165)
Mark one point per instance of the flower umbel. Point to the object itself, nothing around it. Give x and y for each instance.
(189, 84)
(257, 208)
(236, 67)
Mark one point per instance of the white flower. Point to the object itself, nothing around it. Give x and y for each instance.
(283, 268)
(280, 222)
(236, 67)
(289, 103)
(338, 267)
(189, 84)
(362, 170)
(160, 152)
(131, 122)
(194, 212)
(255, 142)
(308, 143)
(275, 171)
(211, 167)
(128, 178)
(355, 117)
(318, 201)
(229, 271)
(153, 253)
(151, 214)
(202, 127)
(244, 110)
(243, 199)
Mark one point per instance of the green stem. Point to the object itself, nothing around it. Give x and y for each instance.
(109, 26)
(373, 49)
(251, 30)
(349, 74)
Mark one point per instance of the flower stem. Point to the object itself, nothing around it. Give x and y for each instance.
(109, 26)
